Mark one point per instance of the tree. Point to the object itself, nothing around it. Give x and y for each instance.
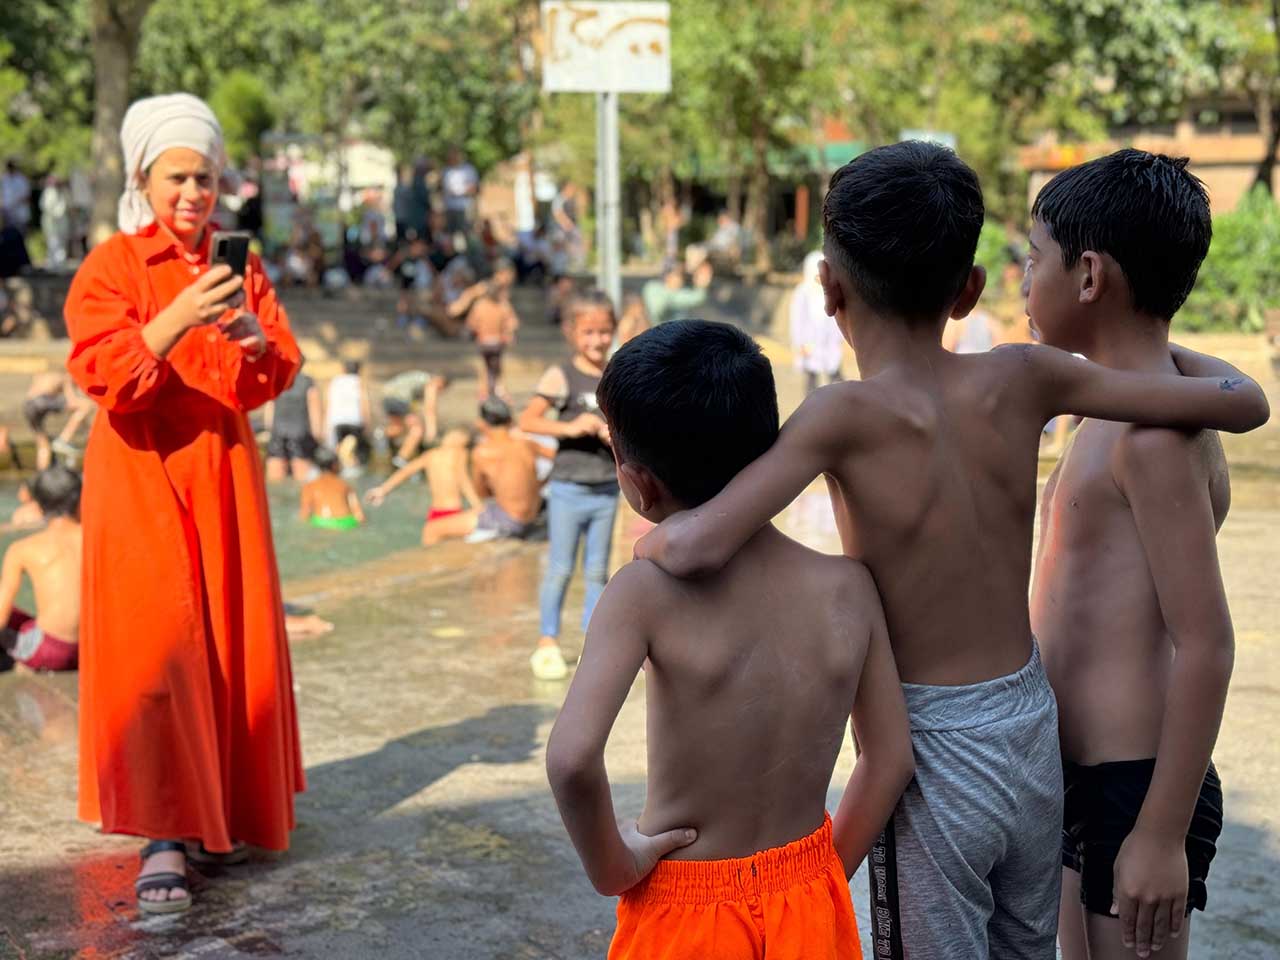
(243, 107)
(46, 84)
(115, 27)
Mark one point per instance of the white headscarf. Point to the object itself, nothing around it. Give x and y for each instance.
(151, 127)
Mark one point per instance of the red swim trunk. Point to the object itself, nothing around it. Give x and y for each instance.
(788, 903)
(27, 643)
(441, 514)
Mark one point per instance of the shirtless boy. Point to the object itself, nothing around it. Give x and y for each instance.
(501, 484)
(1127, 600)
(51, 559)
(448, 472)
(931, 463)
(328, 502)
(493, 323)
(52, 393)
(747, 701)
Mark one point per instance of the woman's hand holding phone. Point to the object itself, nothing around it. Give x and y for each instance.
(204, 301)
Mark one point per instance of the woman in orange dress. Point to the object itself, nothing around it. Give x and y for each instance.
(187, 723)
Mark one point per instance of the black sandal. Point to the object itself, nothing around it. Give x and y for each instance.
(196, 853)
(162, 881)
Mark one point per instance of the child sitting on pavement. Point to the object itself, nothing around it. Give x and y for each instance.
(505, 469)
(931, 463)
(1127, 601)
(51, 559)
(328, 502)
(747, 701)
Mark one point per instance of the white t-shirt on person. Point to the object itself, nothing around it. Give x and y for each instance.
(459, 182)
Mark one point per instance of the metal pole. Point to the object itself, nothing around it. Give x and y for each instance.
(613, 202)
(602, 217)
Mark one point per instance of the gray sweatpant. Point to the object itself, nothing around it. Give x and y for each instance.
(970, 866)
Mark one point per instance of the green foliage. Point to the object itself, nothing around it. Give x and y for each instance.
(412, 75)
(1238, 279)
(46, 84)
(243, 106)
(993, 250)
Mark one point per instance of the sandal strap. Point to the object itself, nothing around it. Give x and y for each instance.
(161, 881)
(163, 846)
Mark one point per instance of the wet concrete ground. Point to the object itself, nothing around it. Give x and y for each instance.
(428, 830)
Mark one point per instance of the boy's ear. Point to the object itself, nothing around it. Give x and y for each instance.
(1092, 275)
(647, 488)
(832, 292)
(970, 293)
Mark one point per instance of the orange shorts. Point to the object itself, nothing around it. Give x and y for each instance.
(788, 903)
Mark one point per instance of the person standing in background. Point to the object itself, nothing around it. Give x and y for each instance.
(815, 340)
(15, 197)
(460, 183)
(55, 221)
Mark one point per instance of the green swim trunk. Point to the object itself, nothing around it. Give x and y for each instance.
(335, 523)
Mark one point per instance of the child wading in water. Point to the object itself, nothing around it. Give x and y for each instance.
(328, 502)
(448, 471)
(51, 559)
(747, 699)
(582, 496)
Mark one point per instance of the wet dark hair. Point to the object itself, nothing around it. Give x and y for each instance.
(592, 298)
(495, 412)
(902, 221)
(56, 490)
(1145, 210)
(692, 401)
(325, 459)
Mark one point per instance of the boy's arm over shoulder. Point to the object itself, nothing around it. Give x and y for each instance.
(814, 439)
(1224, 399)
(1162, 475)
(881, 731)
(615, 649)
(11, 578)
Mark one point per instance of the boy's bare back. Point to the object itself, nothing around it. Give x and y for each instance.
(1095, 605)
(507, 467)
(445, 466)
(750, 679)
(328, 495)
(939, 481)
(51, 559)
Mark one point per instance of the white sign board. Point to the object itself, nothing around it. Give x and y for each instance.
(620, 47)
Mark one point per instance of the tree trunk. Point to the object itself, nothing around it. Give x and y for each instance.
(1268, 111)
(116, 27)
(733, 200)
(757, 211)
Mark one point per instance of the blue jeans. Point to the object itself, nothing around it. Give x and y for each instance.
(575, 511)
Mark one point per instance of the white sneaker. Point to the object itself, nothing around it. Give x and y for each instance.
(548, 663)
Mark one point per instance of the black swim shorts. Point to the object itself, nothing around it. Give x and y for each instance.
(37, 408)
(1102, 803)
(291, 448)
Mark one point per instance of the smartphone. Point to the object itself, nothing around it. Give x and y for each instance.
(232, 248)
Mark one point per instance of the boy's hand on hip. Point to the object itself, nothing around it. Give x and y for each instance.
(647, 851)
(1150, 888)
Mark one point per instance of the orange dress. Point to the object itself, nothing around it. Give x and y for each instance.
(187, 720)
